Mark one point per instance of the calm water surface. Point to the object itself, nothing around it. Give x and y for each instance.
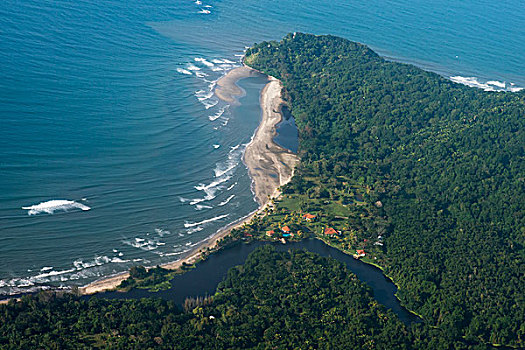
(205, 277)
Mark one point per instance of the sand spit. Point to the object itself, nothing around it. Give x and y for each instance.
(227, 89)
(269, 165)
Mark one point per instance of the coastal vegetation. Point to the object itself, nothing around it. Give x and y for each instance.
(400, 168)
(286, 300)
(439, 166)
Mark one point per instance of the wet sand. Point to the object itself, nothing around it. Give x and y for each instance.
(227, 89)
(269, 165)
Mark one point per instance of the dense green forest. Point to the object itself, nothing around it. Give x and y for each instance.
(286, 300)
(424, 175)
(439, 166)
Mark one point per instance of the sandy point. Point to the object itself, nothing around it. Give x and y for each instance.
(269, 165)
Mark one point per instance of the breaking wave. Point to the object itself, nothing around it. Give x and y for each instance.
(234, 158)
(218, 114)
(193, 224)
(226, 201)
(204, 61)
(491, 85)
(79, 270)
(201, 206)
(184, 71)
(50, 207)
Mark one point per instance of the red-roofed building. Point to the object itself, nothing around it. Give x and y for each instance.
(270, 233)
(285, 229)
(308, 217)
(360, 252)
(330, 231)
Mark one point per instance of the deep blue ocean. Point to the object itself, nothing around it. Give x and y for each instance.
(114, 151)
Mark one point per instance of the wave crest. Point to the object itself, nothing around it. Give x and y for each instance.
(50, 207)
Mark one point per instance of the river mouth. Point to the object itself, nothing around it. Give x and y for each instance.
(206, 276)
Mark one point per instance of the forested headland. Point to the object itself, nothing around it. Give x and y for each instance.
(401, 167)
(423, 176)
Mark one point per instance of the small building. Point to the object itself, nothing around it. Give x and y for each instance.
(270, 233)
(330, 231)
(359, 254)
(285, 229)
(309, 217)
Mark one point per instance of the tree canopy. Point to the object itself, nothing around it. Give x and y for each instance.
(445, 161)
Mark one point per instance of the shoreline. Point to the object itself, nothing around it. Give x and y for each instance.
(269, 166)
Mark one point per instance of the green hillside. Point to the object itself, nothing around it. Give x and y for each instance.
(440, 167)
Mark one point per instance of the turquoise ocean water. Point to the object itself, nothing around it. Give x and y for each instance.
(107, 106)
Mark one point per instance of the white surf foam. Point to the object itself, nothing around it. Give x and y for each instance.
(201, 74)
(218, 114)
(217, 61)
(234, 158)
(51, 206)
(193, 224)
(209, 103)
(51, 273)
(500, 84)
(216, 146)
(162, 232)
(79, 270)
(226, 201)
(204, 11)
(203, 95)
(491, 85)
(204, 61)
(184, 71)
(194, 229)
(223, 172)
(143, 244)
(192, 67)
(201, 206)
(232, 186)
(209, 190)
(226, 66)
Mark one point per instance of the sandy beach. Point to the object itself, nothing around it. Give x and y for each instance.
(227, 89)
(269, 165)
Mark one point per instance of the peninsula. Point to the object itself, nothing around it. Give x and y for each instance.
(400, 167)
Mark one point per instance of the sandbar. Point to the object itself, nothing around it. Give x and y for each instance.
(269, 165)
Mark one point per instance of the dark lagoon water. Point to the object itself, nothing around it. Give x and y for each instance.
(113, 150)
(205, 277)
(287, 134)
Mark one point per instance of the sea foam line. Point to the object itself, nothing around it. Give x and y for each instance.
(192, 224)
(226, 201)
(184, 71)
(218, 114)
(204, 61)
(491, 85)
(51, 206)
